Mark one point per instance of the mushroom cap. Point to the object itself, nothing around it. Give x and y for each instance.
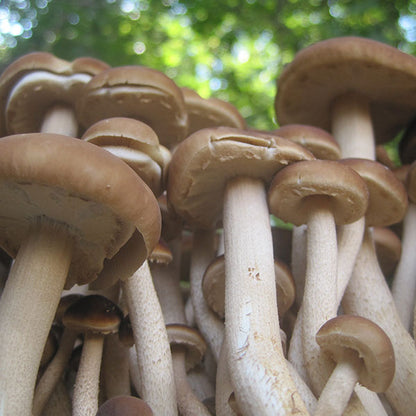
(202, 164)
(33, 83)
(318, 141)
(161, 254)
(124, 406)
(328, 69)
(99, 199)
(388, 249)
(135, 143)
(294, 185)
(387, 203)
(64, 303)
(210, 112)
(189, 338)
(93, 313)
(373, 346)
(213, 286)
(136, 92)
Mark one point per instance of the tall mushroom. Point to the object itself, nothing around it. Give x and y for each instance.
(60, 217)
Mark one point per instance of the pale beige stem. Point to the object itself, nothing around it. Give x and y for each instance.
(27, 308)
(368, 295)
(404, 282)
(188, 403)
(151, 342)
(370, 400)
(257, 366)
(60, 119)
(54, 371)
(59, 402)
(85, 398)
(207, 321)
(352, 126)
(339, 387)
(319, 300)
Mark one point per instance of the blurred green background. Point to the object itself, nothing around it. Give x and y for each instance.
(231, 49)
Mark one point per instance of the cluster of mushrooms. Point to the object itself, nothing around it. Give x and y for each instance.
(143, 270)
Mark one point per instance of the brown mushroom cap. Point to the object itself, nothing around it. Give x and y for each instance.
(331, 68)
(93, 313)
(213, 286)
(136, 92)
(373, 346)
(295, 184)
(210, 112)
(98, 197)
(33, 83)
(203, 163)
(124, 406)
(135, 143)
(387, 196)
(161, 254)
(65, 302)
(318, 141)
(189, 338)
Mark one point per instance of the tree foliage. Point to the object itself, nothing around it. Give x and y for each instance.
(233, 49)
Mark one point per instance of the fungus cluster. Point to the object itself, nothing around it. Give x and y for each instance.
(147, 275)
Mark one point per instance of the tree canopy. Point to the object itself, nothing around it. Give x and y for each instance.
(231, 49)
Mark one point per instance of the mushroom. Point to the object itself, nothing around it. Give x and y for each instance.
(362, 352)
(60, 217)
(209, 112)
(321, 194)
(388, 249)
(38, 92)
(94, 316)
(124, 406)
(136, 92)
(221, 173)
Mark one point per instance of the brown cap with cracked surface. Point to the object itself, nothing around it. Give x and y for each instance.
(33, 83)
(328, 69)
(136, 92)
(373, 346)
(387, 196)
(99, 199)
(203, 163)
(210, 112)
(318, 141)
(135, 143)
(294, 185)
(93, 313)
(181, 335)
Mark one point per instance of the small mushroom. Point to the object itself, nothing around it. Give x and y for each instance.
(362, 352)
(94, 316)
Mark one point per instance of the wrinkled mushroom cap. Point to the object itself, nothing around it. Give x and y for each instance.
(93, 313)
(294, 185)
(373, 346)
(136, 92)
(328, 69)
(95, 196)
(33, 83)
(190, 339)
(202, 164)
(210, 112)
(387, 202)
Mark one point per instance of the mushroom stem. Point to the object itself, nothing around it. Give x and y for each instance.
(27, 308)
(352, 126)
(151, 342)
(258, 369)
(319, 300)
(60, 119)
(339, 387)
(404, 283)
(188, 403)
(85, 398)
